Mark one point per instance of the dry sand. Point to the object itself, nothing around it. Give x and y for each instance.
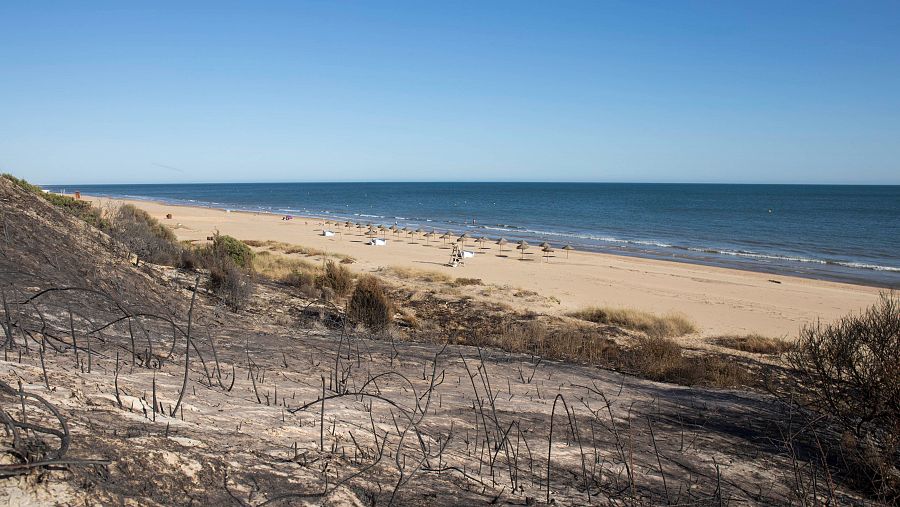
(719, 300)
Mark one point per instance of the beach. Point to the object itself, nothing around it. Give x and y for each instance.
(720, 301)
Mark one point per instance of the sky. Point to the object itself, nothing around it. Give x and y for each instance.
(668, 91)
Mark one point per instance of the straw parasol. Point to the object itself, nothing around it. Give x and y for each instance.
(481, 240)
(544, 244)
(445, 236)
(568, 248)
(522, 245)
(500, 243)
(547, 251)
(428, 236)
(462, 238)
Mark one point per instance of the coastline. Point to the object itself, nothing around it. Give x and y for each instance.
(720, 300)
(761, 228)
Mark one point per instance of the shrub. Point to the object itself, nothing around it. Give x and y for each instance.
(82, 210)
(144, 236)
(233, 284)
(754, 343)
(234, 248)
(649, 324)
(230, 265)
(337, 278)
(369, 305)
(849, 371)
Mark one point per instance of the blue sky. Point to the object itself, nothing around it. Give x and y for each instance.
(717, 91)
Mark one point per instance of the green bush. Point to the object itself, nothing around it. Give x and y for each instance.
(237, 250)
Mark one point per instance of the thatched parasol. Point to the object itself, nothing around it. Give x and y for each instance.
(547, 251)
(481, 240)
(500, 243)
(568, 248)
(522, 245)
(445, 237)
(462, 238)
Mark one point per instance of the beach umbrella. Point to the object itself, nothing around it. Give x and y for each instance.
(547, 251)
(394, 229)
(481, 241)
(500, 243)
(544, 245)
(428, 236)
(568, 248)
(462, 238)
(445, 236)
(523, 245)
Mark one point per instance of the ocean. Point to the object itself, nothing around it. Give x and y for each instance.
(831, 232)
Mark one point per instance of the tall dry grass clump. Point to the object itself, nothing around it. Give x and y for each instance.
(754, 343)
(849, 371)
(566, 342)
(336, 278)
(369, 305)
(661, 359)
(652, 325)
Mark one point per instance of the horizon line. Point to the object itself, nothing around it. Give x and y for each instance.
(574, 182)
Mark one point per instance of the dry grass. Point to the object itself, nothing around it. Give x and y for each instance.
(289, 249)
(337, 278)
(461, 282)
(754, 343)
(555, 340)
(652, 325)
(282, 268)
(662, 359)
(422, 275)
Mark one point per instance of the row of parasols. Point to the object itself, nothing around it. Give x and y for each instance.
(433, 235)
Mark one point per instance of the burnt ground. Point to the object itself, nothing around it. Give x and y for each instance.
(283, 408)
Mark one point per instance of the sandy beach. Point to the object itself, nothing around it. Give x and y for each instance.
(718, 300)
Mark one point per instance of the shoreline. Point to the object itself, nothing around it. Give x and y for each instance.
(720, 300)
(839, 271)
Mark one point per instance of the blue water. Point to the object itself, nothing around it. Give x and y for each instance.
(845, 233)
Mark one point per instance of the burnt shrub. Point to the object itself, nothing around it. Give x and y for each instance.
(232, 283)
(369, 305)
(144, 236)
(849, 372)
